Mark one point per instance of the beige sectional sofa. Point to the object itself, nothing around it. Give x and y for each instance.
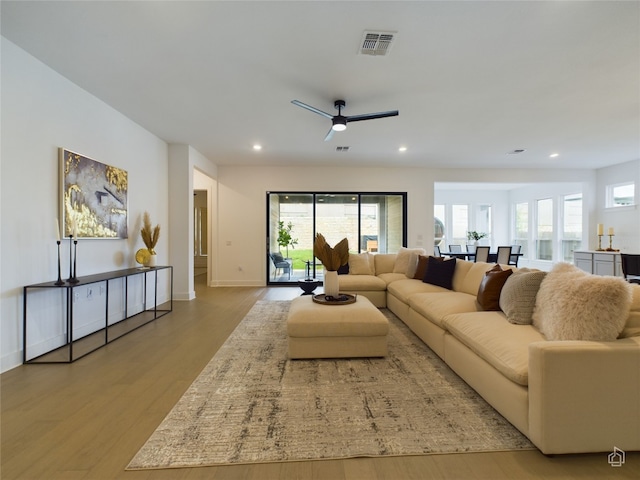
(565, 396)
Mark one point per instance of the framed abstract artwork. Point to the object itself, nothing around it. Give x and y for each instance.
(93, 197)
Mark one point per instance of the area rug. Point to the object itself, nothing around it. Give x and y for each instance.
(251, 404)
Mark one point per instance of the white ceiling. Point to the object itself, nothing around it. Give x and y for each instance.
(472, 80)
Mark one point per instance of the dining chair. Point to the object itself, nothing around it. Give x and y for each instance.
(482, 254)
(471, 248)
(630, 267)
(504, 254)
(513, 259)
(455, 248)
(436, 251)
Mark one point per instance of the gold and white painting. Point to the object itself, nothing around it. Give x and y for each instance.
(93, 196)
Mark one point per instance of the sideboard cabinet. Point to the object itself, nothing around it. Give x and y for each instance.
(598, 262)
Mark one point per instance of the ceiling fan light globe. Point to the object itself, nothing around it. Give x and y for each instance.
(339, 125)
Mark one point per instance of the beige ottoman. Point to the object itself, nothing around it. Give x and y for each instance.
(336, 331)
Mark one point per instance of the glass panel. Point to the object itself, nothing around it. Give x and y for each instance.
(483, 223)
(290, 236)
(544, 243)
(460, 224)
(337, 218)
(381, 223)
(572, 226)
(621, 195)
(522, 228)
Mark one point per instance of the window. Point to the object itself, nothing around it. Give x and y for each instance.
(483, 220)
(620, 195)
(371, 222)
(571, 225)
(522, 227)
(544, 241)
(459, 224)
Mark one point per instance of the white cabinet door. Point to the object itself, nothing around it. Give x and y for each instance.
(603, 264)
(584, 261)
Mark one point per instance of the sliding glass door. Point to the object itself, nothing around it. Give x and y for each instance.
(371, 222)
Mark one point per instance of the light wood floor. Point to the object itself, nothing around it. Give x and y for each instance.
(87, 420)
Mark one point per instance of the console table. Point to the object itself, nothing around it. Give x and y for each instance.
(71, 348)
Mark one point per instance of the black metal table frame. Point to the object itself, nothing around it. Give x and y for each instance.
(88, 280)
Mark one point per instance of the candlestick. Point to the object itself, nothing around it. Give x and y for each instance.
(599, 249)
(58, 231)
(610, 249)
(60, 281)
(600, 229)
(74, 279)
(610, 231)
(70, 279)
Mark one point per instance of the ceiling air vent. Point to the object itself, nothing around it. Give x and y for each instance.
(342, 149)
(376, 43)
(516, 151)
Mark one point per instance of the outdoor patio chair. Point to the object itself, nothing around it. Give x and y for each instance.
(280, 263)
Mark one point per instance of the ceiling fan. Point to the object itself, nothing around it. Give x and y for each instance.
(339, 122)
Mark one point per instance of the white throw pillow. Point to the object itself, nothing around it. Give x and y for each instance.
(407, 261)
(360, 264)
(575, 305)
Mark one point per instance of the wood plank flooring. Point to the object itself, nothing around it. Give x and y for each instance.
(88, 419)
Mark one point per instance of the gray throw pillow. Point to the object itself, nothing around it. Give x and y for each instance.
(518, 296)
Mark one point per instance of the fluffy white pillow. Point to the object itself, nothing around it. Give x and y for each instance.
(407, 261)
(575, 305)
(360, 264)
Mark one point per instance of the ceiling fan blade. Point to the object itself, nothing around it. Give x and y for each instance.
(311, 109)
(329, 135)
(371, 116)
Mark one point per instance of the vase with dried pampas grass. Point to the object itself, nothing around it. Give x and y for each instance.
(332, 259)
(150, 237)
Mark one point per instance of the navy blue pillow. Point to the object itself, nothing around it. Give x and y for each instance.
(344, 269)
(440, 273)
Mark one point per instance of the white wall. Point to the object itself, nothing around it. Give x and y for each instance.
(41, 111)
(624, 220)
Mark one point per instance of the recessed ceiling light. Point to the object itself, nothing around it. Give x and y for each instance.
(257, 147)
(554, 155)
(402, 149)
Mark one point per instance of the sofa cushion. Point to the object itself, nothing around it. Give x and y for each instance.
(518, 295)
(405, 288)
(384, 262)
(391, 277)
(632, 327)
(421, 268)
(436, 306)
(471, 280)
(357, 283)
(574, 305)
(489, 291)
(360, 264)
(503, 345)
(407, 261)
(440, 273)
(462, 268)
